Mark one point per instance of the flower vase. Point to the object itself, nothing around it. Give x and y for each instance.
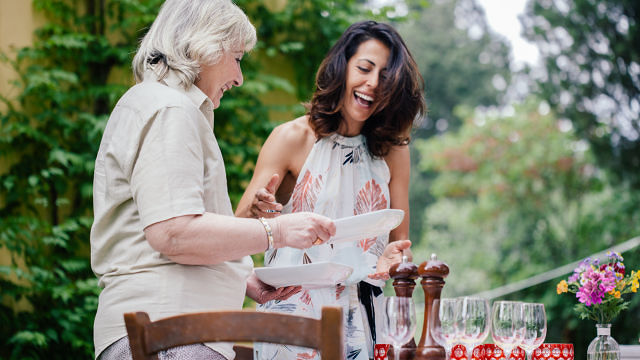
(603, 347)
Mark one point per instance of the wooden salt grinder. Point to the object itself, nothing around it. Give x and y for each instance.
(433, 273)
(404, 277)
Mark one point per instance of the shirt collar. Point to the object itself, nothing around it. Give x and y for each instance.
(194, 93)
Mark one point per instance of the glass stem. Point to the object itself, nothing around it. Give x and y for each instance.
(396, 352)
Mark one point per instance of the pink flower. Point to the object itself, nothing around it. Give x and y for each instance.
(595, 285)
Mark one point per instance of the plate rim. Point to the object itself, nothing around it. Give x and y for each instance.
(333, 240)
(311, 283)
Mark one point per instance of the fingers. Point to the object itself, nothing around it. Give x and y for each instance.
(379, 276)
(398, 248)
(287, 292)
(401, 245)
(303, 230)
(282, 293)
(325, 230)
(265, 204)
(393, 254)
(267, 208)
(272, 185)
(409, 254)
(263, 195)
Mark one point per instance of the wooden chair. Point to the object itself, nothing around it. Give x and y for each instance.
(147, 337)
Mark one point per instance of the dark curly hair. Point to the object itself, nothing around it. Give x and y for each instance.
(400, 93)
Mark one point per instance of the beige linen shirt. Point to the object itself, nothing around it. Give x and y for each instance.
(158, 159)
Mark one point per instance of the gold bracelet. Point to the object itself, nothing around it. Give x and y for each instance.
(267, 228)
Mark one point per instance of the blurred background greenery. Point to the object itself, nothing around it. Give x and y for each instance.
(515, 172)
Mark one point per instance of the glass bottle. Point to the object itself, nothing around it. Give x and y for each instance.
(603, 347)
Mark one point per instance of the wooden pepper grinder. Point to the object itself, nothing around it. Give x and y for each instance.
(433, 273)
(404, 277)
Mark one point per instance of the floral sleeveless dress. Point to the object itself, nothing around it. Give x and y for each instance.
(339, 179)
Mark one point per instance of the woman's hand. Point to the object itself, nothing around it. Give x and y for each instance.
(264, 202)
(392, 255)
(261, 292)
(301, 230)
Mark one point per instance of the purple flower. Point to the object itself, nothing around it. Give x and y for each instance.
(615, 256)
(574, 277)
(582, 267)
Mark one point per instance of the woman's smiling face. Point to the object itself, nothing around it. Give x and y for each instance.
(365, 69)
(215, 79)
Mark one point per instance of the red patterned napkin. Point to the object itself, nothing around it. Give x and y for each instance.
(459, 353)
(553, 352)
(486, 352)
(495, 352)
(380, 351)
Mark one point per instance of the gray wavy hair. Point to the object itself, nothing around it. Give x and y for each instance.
(187, 33)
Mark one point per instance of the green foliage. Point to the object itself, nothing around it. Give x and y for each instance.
(523, 193)
(591, 54)
(69, 80)
(49, 136)
(613, 307)
(517, 182)
(459, 58)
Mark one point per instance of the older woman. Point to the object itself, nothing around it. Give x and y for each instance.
(164, 238)
(351, 157)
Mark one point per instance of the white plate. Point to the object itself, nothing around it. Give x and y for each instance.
(367, 225)
(312, 275)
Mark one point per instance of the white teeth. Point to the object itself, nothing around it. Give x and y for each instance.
(363, 96)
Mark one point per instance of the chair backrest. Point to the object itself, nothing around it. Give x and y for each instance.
(147, 337)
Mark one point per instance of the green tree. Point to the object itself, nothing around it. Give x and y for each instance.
(591, 53)
(523, 193)
(49, 136)
(461, 61)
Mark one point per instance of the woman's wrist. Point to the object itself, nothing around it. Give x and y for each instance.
(275, 230)
(269, 232)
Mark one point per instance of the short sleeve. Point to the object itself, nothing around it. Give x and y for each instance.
(167, 171)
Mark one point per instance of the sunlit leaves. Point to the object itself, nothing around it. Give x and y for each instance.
(49, 135)
(524, 195)
(591, 74)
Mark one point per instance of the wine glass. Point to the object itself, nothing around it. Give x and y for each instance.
(506, 325)
(399, 321)
(535, 327)
(443, 323)
(474, 322)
